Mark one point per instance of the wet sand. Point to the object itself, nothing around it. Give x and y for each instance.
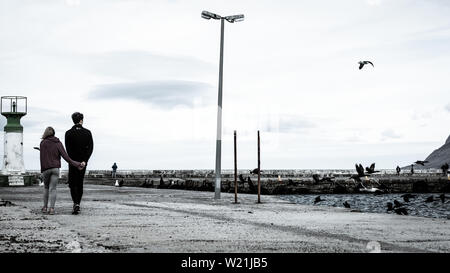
(131, 219)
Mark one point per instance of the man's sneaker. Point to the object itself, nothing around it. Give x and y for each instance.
(76, 209)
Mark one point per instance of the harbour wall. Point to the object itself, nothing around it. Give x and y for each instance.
(273, 181)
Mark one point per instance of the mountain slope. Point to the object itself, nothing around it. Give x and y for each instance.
(439, 156)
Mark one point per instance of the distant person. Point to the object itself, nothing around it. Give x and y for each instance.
(79, 146)
(412, 168)
(51, 150)
(114, 169)
(398, 170)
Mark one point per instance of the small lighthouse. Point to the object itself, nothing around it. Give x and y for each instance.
(13, 108)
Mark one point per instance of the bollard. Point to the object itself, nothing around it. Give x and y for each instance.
(235, 168)
(259, 171)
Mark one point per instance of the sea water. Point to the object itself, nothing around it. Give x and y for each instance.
(378, 203)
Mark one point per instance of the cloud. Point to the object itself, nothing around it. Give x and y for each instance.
(389, 133)
(143, 65)
(374, 2)
(290, 124)
(38, 118)
(73, 2)
(169, 93)
(424, 116)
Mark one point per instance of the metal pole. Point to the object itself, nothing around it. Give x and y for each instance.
(259, 172)
(235, 168)
(219, 117)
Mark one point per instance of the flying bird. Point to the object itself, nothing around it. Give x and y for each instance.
(255, 171)
(421, 162)
(371, 169)
(362, 63)
(37, 148)
(360, 170)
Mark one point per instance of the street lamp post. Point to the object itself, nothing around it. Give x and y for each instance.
(233, 18)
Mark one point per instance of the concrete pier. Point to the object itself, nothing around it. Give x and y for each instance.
(273, 181)
(130, 219)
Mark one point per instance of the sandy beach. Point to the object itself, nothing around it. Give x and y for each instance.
(128, 219)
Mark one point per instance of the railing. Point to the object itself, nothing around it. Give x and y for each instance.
(13, 104)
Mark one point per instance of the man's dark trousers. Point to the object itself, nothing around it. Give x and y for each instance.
(76, 178)
(79, 145)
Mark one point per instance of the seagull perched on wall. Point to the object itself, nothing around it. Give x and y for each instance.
(362, 63)
(251, 186)
(317, 178)
(241, 179)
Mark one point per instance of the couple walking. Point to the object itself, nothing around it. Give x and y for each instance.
(79, 146)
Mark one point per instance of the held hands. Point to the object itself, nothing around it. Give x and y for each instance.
(82, 165)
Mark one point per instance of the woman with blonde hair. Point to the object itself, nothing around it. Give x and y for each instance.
(51, 150)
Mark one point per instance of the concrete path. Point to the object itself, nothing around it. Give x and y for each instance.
(150, 220)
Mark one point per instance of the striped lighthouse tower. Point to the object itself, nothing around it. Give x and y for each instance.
(13, 108)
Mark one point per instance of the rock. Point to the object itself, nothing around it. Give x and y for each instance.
(6, 203)
(74, 247)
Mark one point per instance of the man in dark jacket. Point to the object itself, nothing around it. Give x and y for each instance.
(79, 145)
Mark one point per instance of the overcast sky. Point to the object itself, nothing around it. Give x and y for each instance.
(145, 75)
